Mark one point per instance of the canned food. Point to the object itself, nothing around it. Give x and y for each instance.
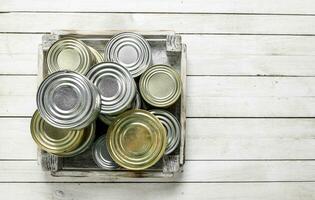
(108, 119)
(54, 140)
(160, 86)
(86, 142)
(116, 86)
(136, 140)
(68, 100)
(101, 156)
(172, 126)
(130, 50)
(98, 58)
(69, 54)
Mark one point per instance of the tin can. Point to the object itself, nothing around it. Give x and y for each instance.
(130, 50)
(136, 140)
(86, 142)
(116, 86)
(101, 156)
(69, 54)
(68, 100)
(54, 140)
(108, 119)
(160, 86)
(172, 126)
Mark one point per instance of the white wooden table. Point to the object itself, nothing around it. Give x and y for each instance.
(251, 89)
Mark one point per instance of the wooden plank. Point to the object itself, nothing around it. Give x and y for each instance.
(183, 6)
(224, 96)
(16, 139)
(222, 55)
(207, 139)
(236, 191)
(183, 23)
(194, 171)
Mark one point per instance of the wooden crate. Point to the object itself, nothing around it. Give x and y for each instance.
(167, 48)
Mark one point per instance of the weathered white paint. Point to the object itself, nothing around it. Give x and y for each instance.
(183, 23)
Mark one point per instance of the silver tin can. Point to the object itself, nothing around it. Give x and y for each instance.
(68, 100)
(172, 127)
(69, 54)
(108, 119)
(116, 86)
(101, 156)
(130, 50)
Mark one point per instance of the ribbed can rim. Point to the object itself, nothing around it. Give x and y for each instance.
(86, 142)
(51, 100)
(136, 120)
(45, 141)
(137, 43)
(83, 52)
(101, 155)
(161, 101)
(121, 100)
(172, 126)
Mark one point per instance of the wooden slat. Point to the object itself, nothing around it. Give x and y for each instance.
(183, 23)
(224, 96)
(207, 54)
(207, 139)
(217, 191)
(200, 6)
(194, 171)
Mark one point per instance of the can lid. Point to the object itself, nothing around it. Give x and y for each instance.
(69, 54)
(136, 140)
(52, 139)
(108, 119)
(116, 86)
(101, 156)
(130, 50)
(85, 143)
(172, 126)
(160, 85)
(68, 100)
(98, 57)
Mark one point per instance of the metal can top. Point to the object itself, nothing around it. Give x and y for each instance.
(69, 54)
(160, 86)
(51, 139)
(130, 50)
(172, 127)
(68, 100)
(108, 119)
(136, 140)
(116, 86)
(101, 156)
(86, 142)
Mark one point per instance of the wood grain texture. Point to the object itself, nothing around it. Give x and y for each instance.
(207, 55)
(228, 96)
(182, 23)
(194, 171)
(215, 191)
(182, 6)
(207, 139)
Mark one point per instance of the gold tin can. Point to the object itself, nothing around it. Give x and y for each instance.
(136, 140)
(69, 54)
(160, 86)
(54, 140)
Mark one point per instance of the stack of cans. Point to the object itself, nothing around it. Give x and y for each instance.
(85, 84)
